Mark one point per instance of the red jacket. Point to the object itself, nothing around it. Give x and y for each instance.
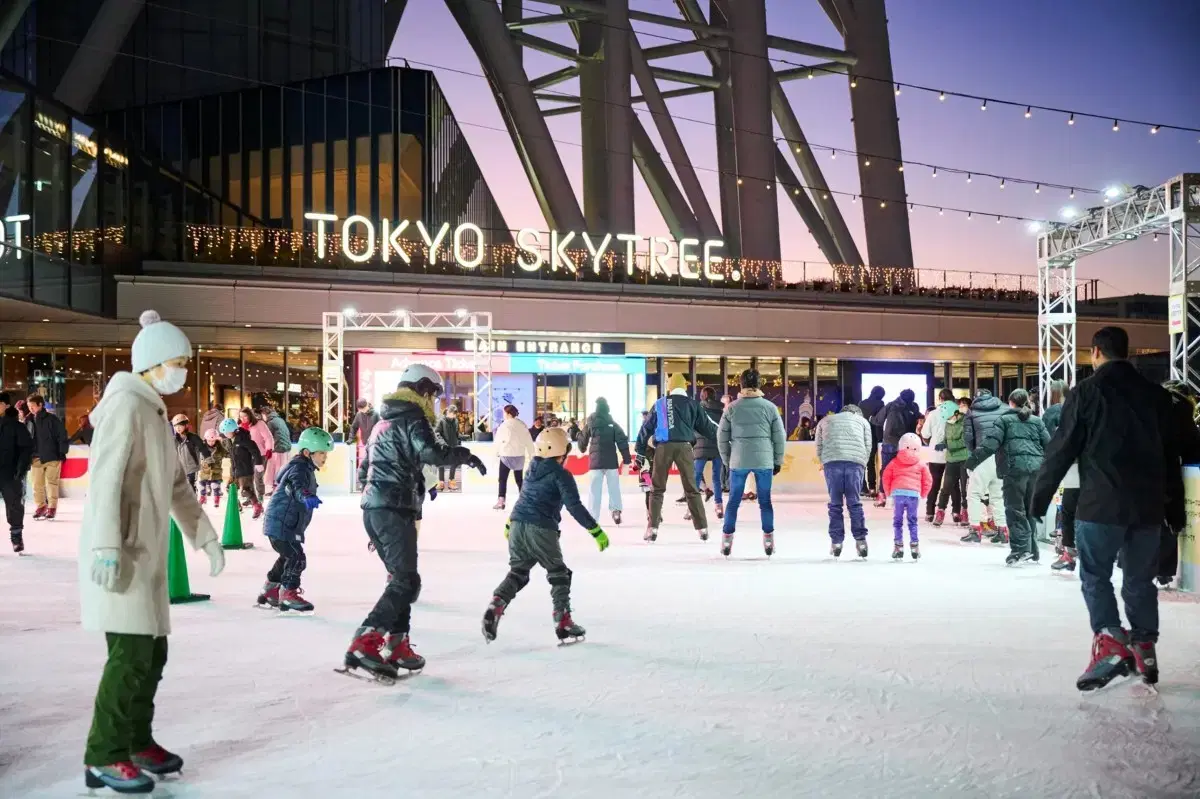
(906, 471)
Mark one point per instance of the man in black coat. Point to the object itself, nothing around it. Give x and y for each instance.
(50, 447)
(1187, 438)
(1119, 427)
(870, 407)
(16, 456)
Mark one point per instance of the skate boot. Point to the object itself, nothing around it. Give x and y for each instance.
(860, 544)
(929, 517)
(17, 538)
(566, 629)
(973, 537)
(616, 517)
(123, 777)
(880, 501)
(40, 514)
(491, 618)
(687, 516)
(769, 544)
(1018, 558)
(258, 510)
(726, 544)
(703, 532)
(158, 761)
(651, 534)
(914, 549)
(708, 494)
(216, 500)
(1000, 536)
(203, 500)
(681, 500)
(50, 514)
(1146, 659)
(939, 518)
(499, 504)
(1065, 562)
(720, 511)
(364, 653)
(399, 653)
(836, 550)
(290, 599)
(1111, 659)
(269, 596)
(898, 550)
(750, 496)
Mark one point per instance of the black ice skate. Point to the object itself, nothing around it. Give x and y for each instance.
(365, 654)
(836, 550)
(651, 534)
(703, 534)
(18, 541)
(769, 544)
(972, 537)
(898, 551)
(568, 631)
(1019, 558)
(860, 544)
(720, 511)
(726, 544)
(491, 618)
(616, 517)
(914, 549)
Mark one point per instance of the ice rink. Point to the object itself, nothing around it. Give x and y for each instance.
(701, 677)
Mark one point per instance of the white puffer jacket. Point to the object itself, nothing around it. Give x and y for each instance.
(513, 440)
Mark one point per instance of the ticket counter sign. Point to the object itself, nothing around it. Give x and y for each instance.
(1176, 313)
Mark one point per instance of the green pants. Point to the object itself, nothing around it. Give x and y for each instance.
(124, 710)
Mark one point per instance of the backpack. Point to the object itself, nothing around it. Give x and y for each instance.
(662, 430)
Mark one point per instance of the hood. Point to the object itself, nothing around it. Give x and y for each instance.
(1022, 413)
(877, 393)
(542, 469)
(405, 401)
(714, 405)
(947, 409)
(125, 387)
(678, 392)
(986, 402)
(750, 392)
(907, 457)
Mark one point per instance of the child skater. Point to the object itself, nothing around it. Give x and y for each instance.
(288, 516)
(211, 466)
(532, 533)
(189, 448)
(245, 458)
(908, 480)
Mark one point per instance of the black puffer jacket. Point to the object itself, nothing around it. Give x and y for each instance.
(897, 418)
(985, 412)
(1052, 418)
(49, 437)
(603, 439)
(16, 447)
(401, 444)
(871, 406)
(246, 455)
(707, 447)
(547, 490)
(447, 431)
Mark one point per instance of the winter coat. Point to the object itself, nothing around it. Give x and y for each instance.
(1052, 418)
(211, 420)
(260, 434)
(675, 417)
(211, 466)
(602, 439)
(895, 419)
(1018, 440)
(906, 472)
(447, 430)
(984, 413)
(84, 434)
(535, 431)
(844, 437)
(956, 447)
(364, 422)
(934, 429)
(401, 445)
(281, 435)
(706, 447)
(246, 455)
(751, 434)
(191, 451)
(1120, 427)
(287, 516)
(16, 447)
(547, 489)
(49, 437)
(513, 440)
(136, 488)
(870, 408)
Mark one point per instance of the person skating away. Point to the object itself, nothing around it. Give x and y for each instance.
(955, 451)
(1187, 444)
(447, 433)
(401, 445)
(50, 447)
(137, 487)
(211, 474)
(983, 481)
(533, 535)
(1016, 444)
(907, 480)
(211, 419)
(281, 446)
(870, 407)
(16, 456)
(675, 422)
(189, 448)
(1069, 489)
(288, 516)
(894, 420)
(1119, 427)
(705, 452)
(933, 433)
(751, 440)
(246, 459)
(607, 447)
(515, 448)
(360, 429)
(844, 445)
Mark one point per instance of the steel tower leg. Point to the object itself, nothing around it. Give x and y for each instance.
(100, 45)
(593, 120)
(667, 196)
(619, 117)
(804, 206)
(10, 18)
(1183, 220)
(1056, 325)
(727, 165)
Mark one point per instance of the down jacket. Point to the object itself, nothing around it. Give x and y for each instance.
(897, 418)
(246, 454)
(16, 447)
(906, 472)
(844, 437)
(49, 437)
(191, 451)
(281, 435)
(513, 439)
(1018, 439)
(751, 435)
(547, 490)
(287, 516)
(136, 488)
(211, 467)
(603, 440)
(985, 411)
(705, 446)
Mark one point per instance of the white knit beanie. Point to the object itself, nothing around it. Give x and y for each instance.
(157, 343)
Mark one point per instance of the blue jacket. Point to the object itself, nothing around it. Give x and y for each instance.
(287, 518)
(548, 487)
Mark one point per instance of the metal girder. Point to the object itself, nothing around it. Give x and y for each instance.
(95, 54)
(554, 78)
(593, 7)
(727, 182)
(1183, 242)
(815, 71)
(1142, 211)
(814, 50)
(667, 196)
(637, 98)
(835, 15)
(684, 48)
(1056, 327)
(690, 78)
(675, 22)
(393, 12)
(619, 115)
(807, 210)
(544, 45)
(10, 18)
(544, 19)
(593, 105)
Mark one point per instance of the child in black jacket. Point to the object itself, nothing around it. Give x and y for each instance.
(246, 455)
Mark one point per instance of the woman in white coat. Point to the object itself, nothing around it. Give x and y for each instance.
(514, 444)
(136, 486)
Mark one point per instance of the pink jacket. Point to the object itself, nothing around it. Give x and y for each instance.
(907, 472)
(260, 434)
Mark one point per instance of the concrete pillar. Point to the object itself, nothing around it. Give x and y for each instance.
(96, 52)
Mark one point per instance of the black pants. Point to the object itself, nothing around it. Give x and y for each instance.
(873, 466)
(952, 487)
(1070, 501)
(442, 473)
(519, 474)
(394, 534)
(1168, 554)
(936, 470)
(289, 565)
(12, 490)
(1018, 506)
(192, 481)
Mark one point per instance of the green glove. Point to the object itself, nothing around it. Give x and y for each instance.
(506, 526)
(601, 538)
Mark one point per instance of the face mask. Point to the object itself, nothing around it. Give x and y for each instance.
(173, 379)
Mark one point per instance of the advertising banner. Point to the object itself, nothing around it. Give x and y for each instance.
(1189, 553)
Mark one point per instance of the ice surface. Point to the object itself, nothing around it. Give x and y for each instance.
(701, 677)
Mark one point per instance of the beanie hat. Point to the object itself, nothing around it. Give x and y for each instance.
(601, 405)
(157, 343)
(677, 381)
(910, 442)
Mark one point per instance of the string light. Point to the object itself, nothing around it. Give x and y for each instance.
(897, 89)
(1154, 129)
(1028, 112)
(900, 168)
(1037, 189)
(941, 212)
(997, 220)
(1116, 126)
(969, 215)
(1071, 120)
(1072, 194)
(968, 177)
(942, 96)
(935, 171)
(833, 154)
(854, 83)
(1001, 183)
(854, 199)
(983, 106)
(882, 204)
(867, 162)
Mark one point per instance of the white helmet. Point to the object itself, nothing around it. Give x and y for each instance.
(421, 379)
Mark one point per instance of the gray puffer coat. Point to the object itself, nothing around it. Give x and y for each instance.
(844, 437)
(751, 434)
(706, 448)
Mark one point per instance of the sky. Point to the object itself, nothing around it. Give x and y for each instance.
(1111, 57)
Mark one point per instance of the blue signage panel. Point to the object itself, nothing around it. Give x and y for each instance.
(575, 365)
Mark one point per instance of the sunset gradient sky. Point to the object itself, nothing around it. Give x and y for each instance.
(1124, 60)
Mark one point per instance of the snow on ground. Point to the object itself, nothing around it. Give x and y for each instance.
(701, 677)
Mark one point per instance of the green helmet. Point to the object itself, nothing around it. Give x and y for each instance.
(314, 439)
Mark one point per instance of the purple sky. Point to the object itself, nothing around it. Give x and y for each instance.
(1101, 56)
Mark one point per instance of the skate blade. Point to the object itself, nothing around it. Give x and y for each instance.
(283, 613)
(264, 606)
(572, 641)
(1116, 682)
(381, 679)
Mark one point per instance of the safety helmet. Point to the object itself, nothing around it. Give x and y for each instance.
(179, 418)
(910, 442)
(423, 380)
(211, 435)
(227, 426)
(314, 439)
(552, 443)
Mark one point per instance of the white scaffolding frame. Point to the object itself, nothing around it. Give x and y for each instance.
(1173, 208)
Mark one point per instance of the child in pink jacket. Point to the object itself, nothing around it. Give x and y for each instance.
(907, 480)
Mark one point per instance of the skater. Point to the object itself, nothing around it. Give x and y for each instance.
(515, 448)
(211, 474)
(50, 449)
(894, 420)
(16, 456)
(245, 459)
(1187, 438)
(211, 419)
(137, 488)
(288, 516)
(532, 533)
(675, 422)
(281, 446)
(603, 440)
(844, 445)
(706, 451)
(447, 432)
(393, 494)
(751, 440)
(260, 434)
(1052, 418)
(360, 429)
(907, 480)
(933, 432)
(1017, 441)
(982, 480)
(1118, 426)
(953, 482)
(189, 448)
(871, 406)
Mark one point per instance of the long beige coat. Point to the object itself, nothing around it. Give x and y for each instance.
(135, 487)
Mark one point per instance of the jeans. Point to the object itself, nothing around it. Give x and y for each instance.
(1098, 546)
(1018, 502)
(904, 505)
(888, 452)
(716, 478)
(598, 478)
(737, 487)
(844, 480)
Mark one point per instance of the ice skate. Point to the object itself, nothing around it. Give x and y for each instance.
(860, 544)
(17, 538)
(1065, 562)
(291, 600)
(50, 514)
(568, 631)
(836, 550)
(687, 516)
(499, 504)
(898, 550)
(750, 496)
(651, 534)
(973, 537)
(203, 500)
(703, 534)
(726, 544)
(939, 518)
(1146, 659)
(269, 598)
(158, 761)
(616, 517)
(1111, 659)
(258, 510)
(40, 513)
(708, 494)
(399, 653)
(441, 486)
(720, 509)
(1000, 536)
(681, 500)
(929, 517)
(1019, 558)
(123, 777)
(491, 618)
(769, 544)
(364, 653)
(216, 500)
(880, 501)
(914, 549)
